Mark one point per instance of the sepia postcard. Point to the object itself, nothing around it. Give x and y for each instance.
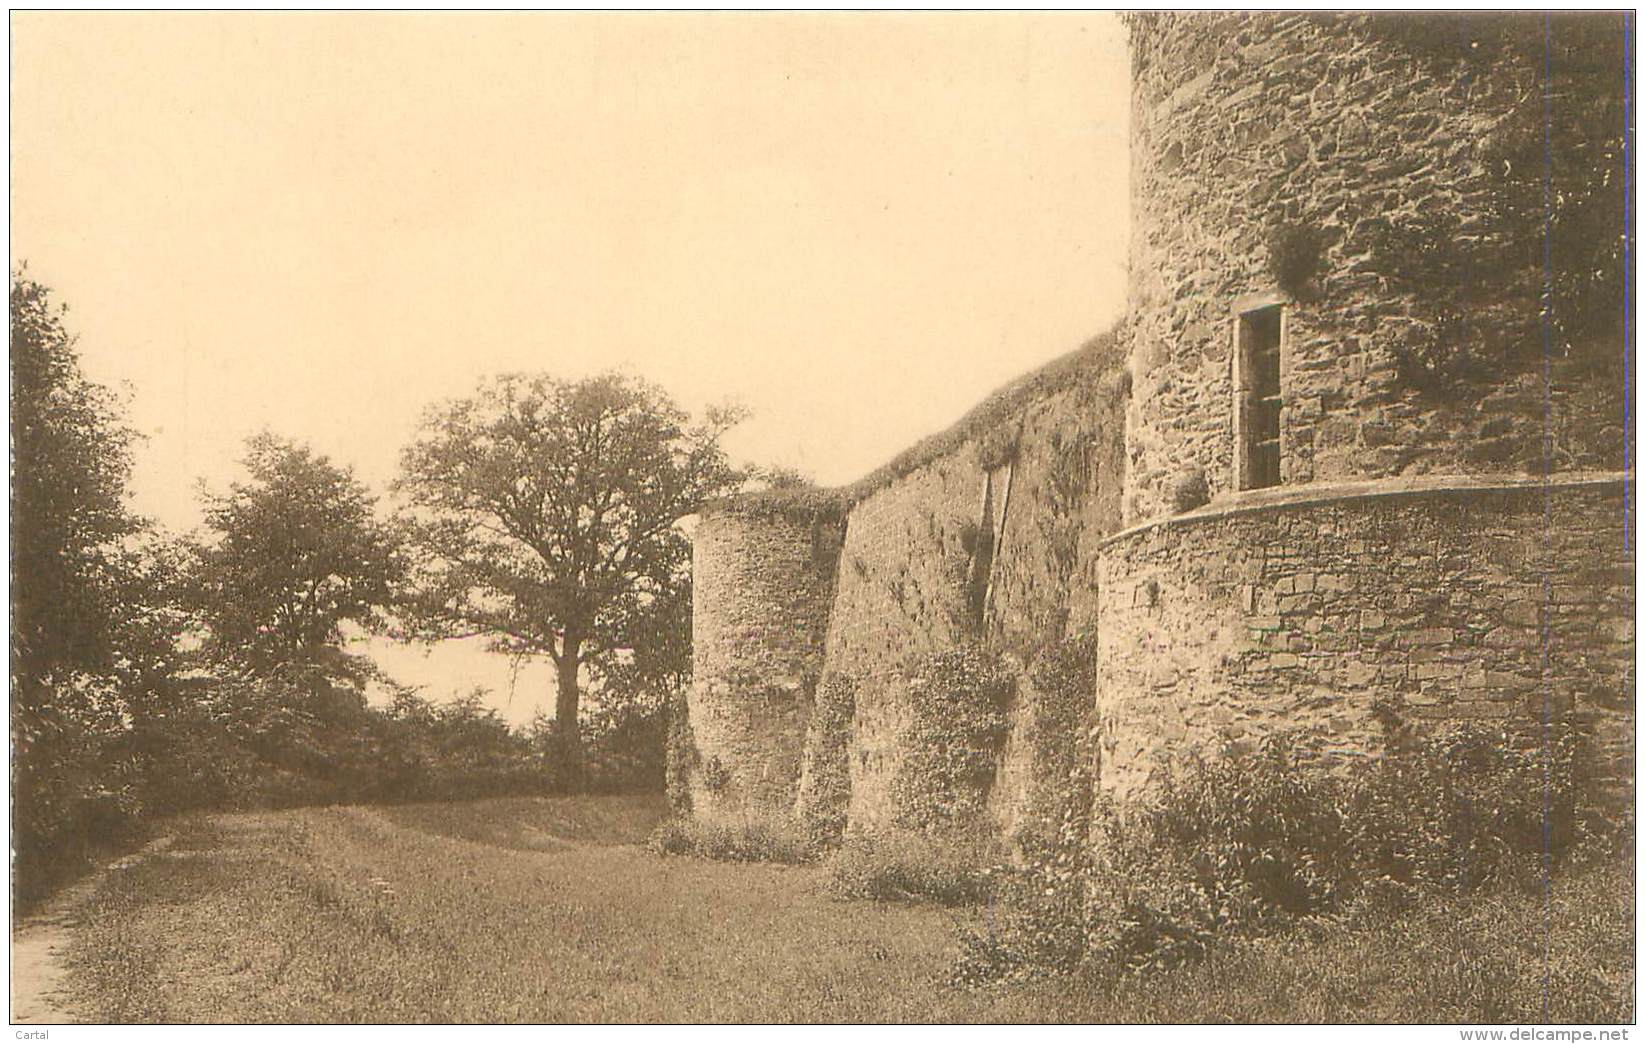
(889, 518)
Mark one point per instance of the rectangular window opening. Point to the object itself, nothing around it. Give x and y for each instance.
(1259, 398)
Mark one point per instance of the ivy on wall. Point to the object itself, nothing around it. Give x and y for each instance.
(1296, 253)
(682, 756)
(1557, 226)
(958, 700)
(825, 785)
(1060, 706)
(1068, 479)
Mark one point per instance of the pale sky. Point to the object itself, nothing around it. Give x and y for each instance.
(854, 225)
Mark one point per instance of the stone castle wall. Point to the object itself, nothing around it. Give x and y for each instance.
(1243, 124)
(1438, 601)
(906, 569)
(901, 597)
(1066, 480)
(1406, 564)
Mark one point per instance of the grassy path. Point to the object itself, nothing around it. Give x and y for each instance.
(39, 944)
(440, 914)
(548, 910)
(40, 990)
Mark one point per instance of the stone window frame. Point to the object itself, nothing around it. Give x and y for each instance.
(1239, 379)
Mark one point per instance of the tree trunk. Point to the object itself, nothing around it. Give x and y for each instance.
(567, 729)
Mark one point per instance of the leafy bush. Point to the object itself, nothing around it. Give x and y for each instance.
(1294, 255)
(299, 737)
(626, 741)
(1059, 709)
(1457, 807)
(75, 785)
(956, 871)
(1256, 834)
(1041, 919)
(1254, 842)
(958, 699)
(746, 841)
(1189, 490)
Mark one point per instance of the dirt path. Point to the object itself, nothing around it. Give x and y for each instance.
(40, 941)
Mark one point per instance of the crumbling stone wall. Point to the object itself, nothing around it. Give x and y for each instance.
(763, 583)
(1246, 123)
(1439, 601)
(1066, 480)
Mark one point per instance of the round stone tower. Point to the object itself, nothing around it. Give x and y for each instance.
(763, 583)
(1337, 257)
(1417, 501)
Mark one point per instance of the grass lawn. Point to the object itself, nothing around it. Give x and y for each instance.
(546, 910)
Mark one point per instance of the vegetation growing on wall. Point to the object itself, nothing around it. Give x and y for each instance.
(1295, 254)
(993, 421)
(1429, 257)
(958, 700)
(1068, 481)
(1556, 166)
(997, 446)
(1189, 490)
(825, 785)
(795, 503)
(682, 757)
(1059, 706)
(1097, 356)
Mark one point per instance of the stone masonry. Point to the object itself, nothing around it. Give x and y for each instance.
(1464, 556)
(1433, 600)
(1242, 124)
(762, 588)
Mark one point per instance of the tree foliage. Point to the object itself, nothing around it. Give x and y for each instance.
(71, 457)
(545, 513)
(298, 552)
(70, 527)
(114, 719)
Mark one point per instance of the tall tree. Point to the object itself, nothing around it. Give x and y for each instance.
(545, 512)
(70, 583)
(71, 458)
(298, 552)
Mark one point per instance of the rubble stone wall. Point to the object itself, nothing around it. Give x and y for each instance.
(1246, 123)
(1439, 600)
